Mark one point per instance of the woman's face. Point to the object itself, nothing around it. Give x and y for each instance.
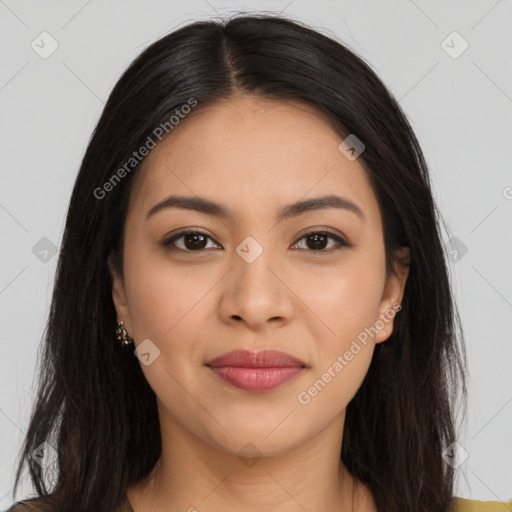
(254, 280)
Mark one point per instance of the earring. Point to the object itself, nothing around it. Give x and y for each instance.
(122, 336)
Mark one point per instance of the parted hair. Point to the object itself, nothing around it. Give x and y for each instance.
(93, 403)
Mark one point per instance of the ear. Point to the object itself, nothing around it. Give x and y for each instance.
(393, 293)
(119, 296)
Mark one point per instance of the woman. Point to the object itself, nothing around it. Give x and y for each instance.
(252, 308)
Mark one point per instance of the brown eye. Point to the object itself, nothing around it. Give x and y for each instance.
(192, 241)
(317, 241)
(196, 241)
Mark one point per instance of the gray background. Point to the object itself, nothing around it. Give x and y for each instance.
(459, 105)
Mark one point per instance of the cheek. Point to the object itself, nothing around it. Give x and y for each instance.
(349, 307)
(332, 386)
(162, 295)
(346, 297)
(348, 304)
(163, 300)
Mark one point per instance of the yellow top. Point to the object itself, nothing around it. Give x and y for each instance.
(464, 505)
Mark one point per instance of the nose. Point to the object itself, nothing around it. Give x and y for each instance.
(257, 293)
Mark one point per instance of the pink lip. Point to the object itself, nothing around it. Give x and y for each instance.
(259, 371)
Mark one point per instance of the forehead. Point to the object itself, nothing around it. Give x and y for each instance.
(253, 154)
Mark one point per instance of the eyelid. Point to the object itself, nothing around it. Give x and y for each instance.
(321, 229)
(341, 239)
(334, 235)
(187, 231)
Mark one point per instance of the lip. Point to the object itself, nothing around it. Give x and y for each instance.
(256, 371)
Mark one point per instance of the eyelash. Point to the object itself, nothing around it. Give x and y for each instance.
(168, 243)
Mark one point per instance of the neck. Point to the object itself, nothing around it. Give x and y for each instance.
(193, 475)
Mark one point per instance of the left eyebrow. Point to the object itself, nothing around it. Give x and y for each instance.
(209, 207)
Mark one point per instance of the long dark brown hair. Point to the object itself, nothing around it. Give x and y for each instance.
(94, 405)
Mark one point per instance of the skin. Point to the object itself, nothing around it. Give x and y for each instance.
(253, 155)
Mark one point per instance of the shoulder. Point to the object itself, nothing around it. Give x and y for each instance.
(35, 505)
(17, 507)
(464, 505)
(24, 506)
